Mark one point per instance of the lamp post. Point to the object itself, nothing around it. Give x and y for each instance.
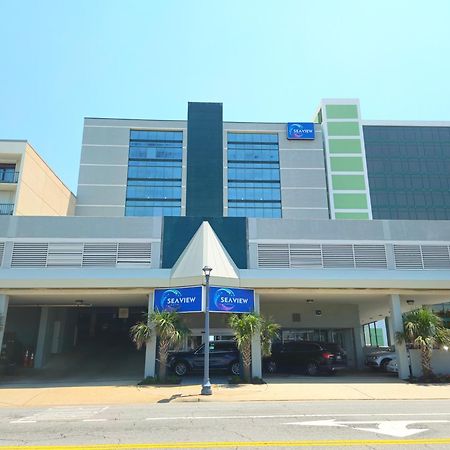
(206, 387)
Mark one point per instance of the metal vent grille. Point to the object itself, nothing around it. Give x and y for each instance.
(435, 256)
(370, 256)
(408, 257)
(139, 253)
(338, 256)
(65, 254)
(275, 256)
(29, 254)
(100, 254)
(305, 256)
(322, 256)
(2, 251)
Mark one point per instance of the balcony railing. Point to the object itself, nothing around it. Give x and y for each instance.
(8, 176)
(6, 209)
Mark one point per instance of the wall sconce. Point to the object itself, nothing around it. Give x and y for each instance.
(318, 312)
(309, 300)
(410, 301)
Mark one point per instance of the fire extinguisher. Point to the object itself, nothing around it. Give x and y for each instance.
(26, 359)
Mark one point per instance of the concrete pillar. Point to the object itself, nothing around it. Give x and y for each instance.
(256, 346)
(150, 348)
(41, 347)
(4, 302)
(396, 325)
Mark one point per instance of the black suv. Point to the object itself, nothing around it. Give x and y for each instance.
(312, 357)
(223, 355)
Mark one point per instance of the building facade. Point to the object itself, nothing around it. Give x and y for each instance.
(337, 224)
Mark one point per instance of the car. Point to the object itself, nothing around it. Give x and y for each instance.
(311, 357)
(392, 365)
(379, 359)
(223, 355)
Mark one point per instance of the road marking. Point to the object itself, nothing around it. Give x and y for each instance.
(396, 428)
(63, 413)
(310, 443)
(289, 416)
(94, 420)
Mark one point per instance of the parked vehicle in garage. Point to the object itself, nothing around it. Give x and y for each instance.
(311, 357)
(379, 359)
(392, 365)
(223, 355)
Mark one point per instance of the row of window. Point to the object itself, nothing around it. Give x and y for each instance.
(429, 200)
(163, 136)
(421, 167)
(254, 194)
(399, 213)
(412, 183)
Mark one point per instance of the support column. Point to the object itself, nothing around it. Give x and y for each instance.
(396, 325)
(150, 348)
(39, 358)
(4, 302)
(256, 346)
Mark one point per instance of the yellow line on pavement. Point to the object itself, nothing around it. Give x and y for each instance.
(181, 445)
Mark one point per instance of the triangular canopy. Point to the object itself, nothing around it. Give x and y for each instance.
(204, 249)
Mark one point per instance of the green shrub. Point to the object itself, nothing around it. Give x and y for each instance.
(170, 379)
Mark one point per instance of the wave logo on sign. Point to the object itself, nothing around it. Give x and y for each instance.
(224, 300)
(299, 130)
(174, 300)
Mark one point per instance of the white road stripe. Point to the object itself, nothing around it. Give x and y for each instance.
(287, 416)
(94, 420)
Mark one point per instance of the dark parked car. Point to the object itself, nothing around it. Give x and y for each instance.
(312, 357)
(223, 355)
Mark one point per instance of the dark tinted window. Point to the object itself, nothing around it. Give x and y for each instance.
(408, 169)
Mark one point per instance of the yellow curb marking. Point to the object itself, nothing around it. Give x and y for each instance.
(162, 445)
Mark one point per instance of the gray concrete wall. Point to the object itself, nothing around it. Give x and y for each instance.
(102, 181)
(302, 170)
(350, 230)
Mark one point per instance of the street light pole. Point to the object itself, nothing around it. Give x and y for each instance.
(206, 387)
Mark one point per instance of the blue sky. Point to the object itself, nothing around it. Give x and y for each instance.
(62, 61)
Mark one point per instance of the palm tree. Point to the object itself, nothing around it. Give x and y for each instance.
(244, 327)
(424, 330)
(168, 327)
(269, 331)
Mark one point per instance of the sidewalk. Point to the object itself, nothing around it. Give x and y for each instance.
(276, 389)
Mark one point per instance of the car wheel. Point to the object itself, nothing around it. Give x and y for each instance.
(312, 368)
(180, 368)
(384, 363)
(271, 367)
(234, 368)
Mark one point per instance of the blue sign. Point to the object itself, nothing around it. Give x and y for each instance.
(182, 300)
(300, 130)
(231, 300)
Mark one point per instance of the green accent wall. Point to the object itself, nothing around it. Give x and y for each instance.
(350, 201)
(352, 216)
(348, 182)
(343, 128)
(344, 145)
(347, 164)
(342, 112)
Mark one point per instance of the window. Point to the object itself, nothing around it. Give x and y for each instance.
(253, 175)
(154, 173)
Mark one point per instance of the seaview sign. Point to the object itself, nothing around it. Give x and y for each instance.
(300, 130)
(182, 300)
(231, 300)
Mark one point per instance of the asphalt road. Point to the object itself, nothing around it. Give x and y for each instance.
(320, 424)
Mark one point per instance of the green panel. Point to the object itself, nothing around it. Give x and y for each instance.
(343, 128)
(344, 145)
(342, 112)
(347, 164)
(349, 182)
(350, 201)
(352, 216)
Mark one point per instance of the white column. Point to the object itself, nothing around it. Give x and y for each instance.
(4, 301)
(150, 348)
(396, 325)
(256, 346)
(39, 358)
